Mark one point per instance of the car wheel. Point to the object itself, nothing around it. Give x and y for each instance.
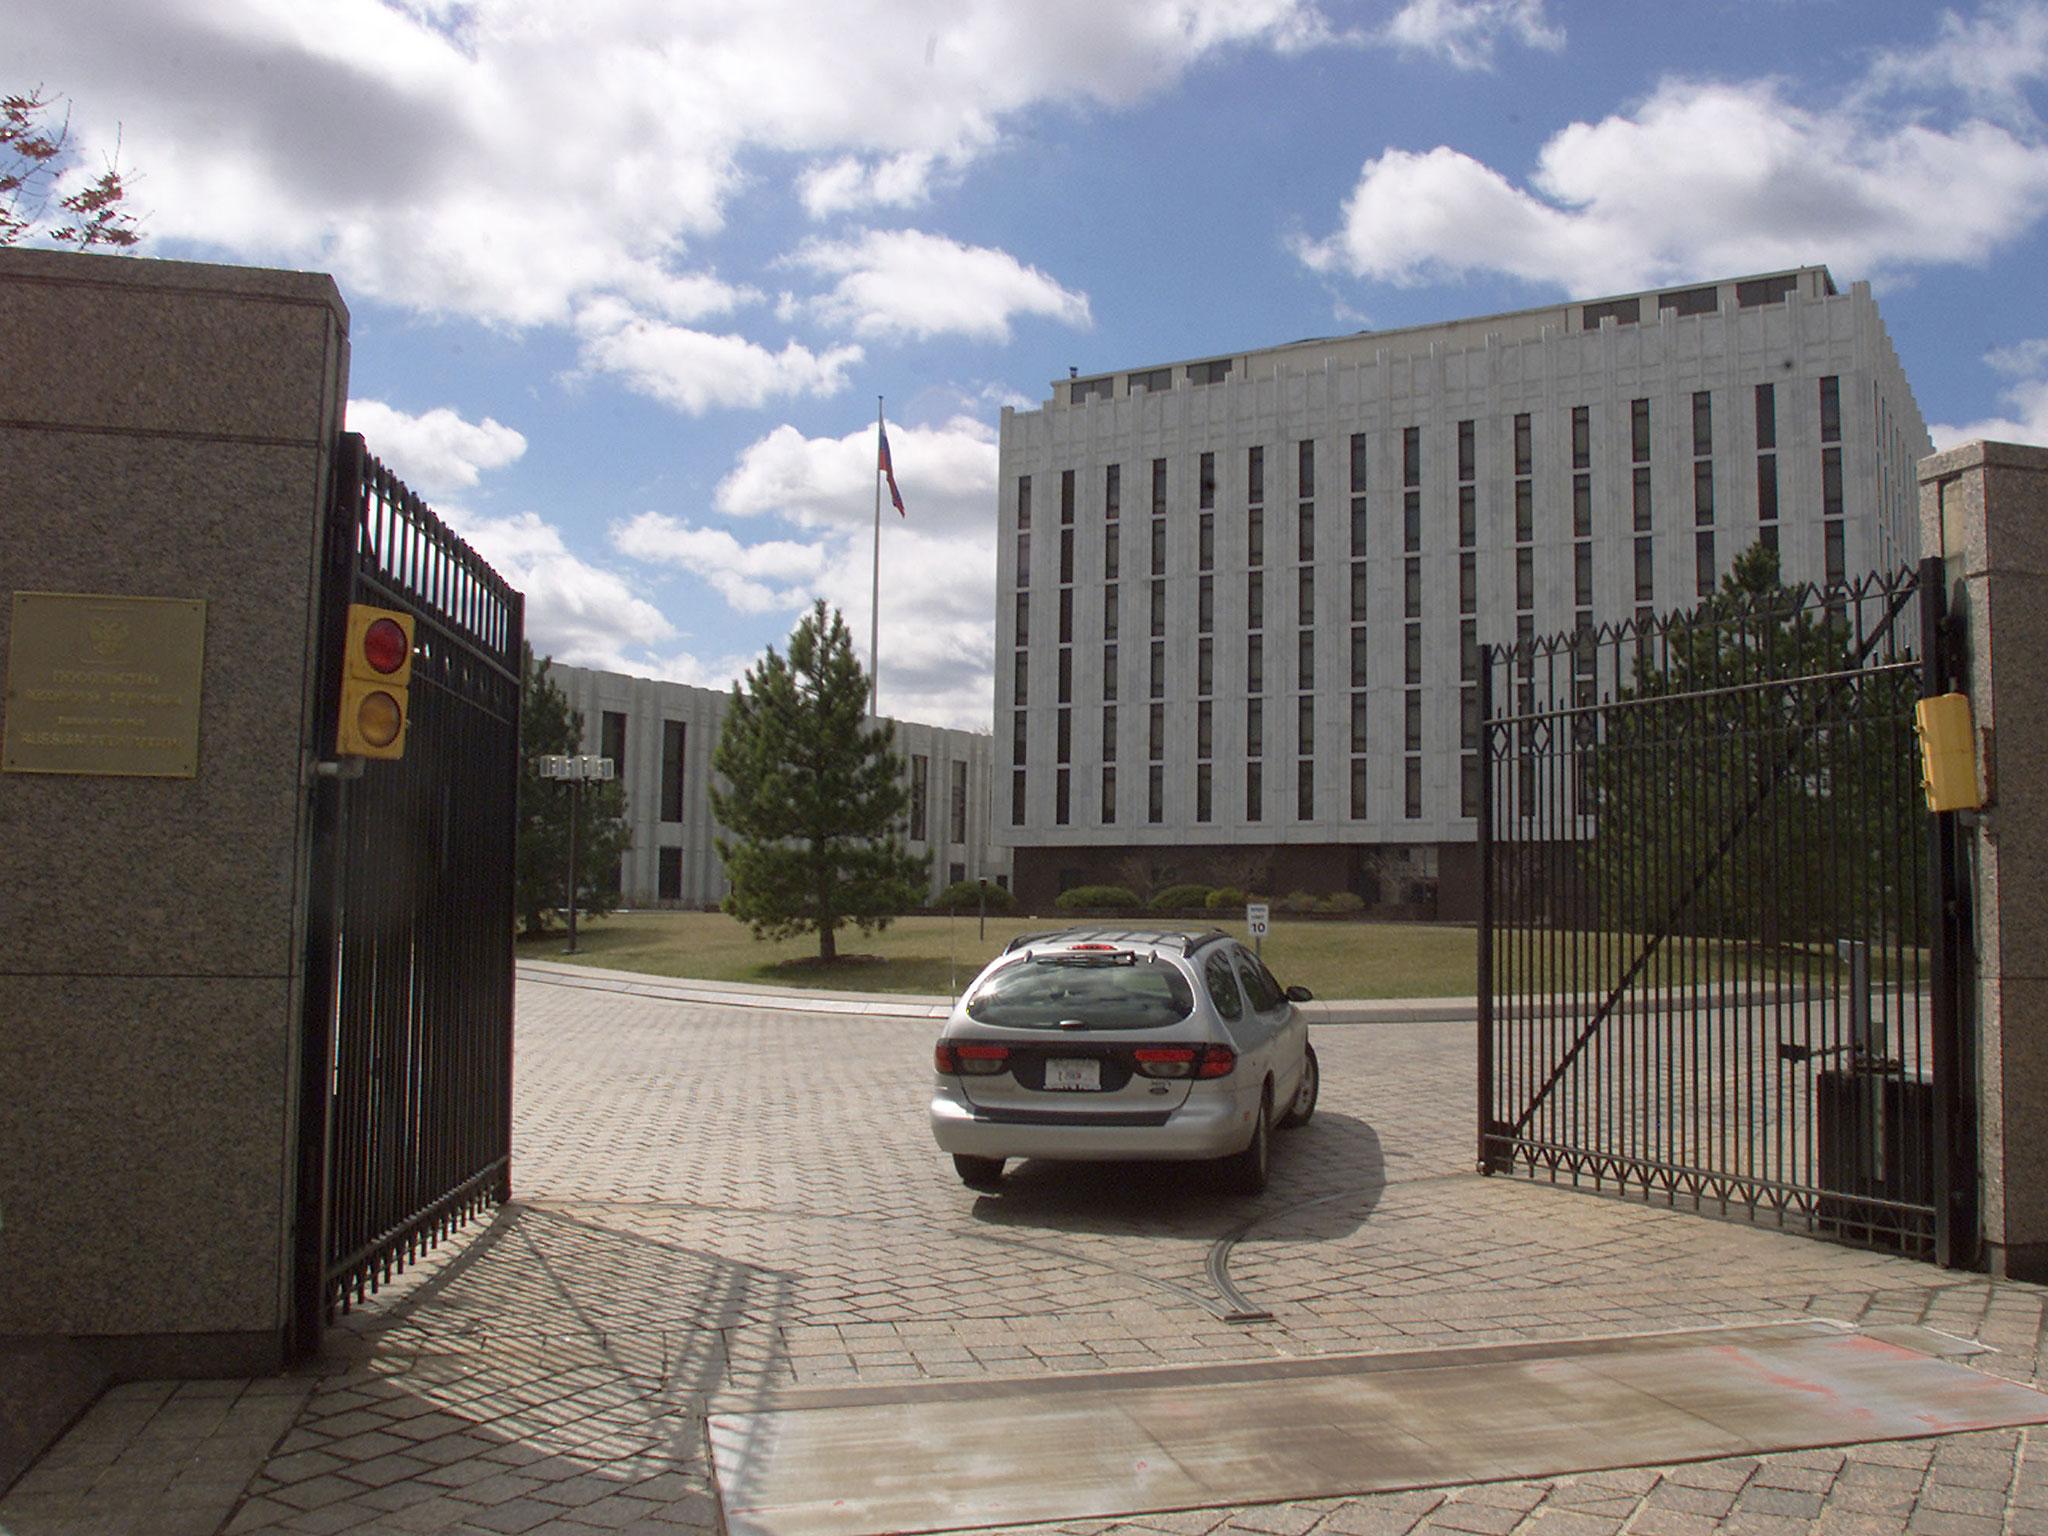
(978, 1172)
(1244, 1173)
(1305, 1096)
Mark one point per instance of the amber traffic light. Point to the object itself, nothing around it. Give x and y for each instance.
(376, 680)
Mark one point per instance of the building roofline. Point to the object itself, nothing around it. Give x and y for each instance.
(1411, 331)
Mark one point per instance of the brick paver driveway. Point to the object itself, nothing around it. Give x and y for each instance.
(718, 1204)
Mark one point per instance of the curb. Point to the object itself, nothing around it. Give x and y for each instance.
(739, 994)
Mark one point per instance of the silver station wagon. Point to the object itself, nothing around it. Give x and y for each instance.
(1122, 1043)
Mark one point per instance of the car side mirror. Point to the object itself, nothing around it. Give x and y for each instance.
(1300, 995)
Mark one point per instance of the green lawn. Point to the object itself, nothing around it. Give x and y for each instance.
(940, 955)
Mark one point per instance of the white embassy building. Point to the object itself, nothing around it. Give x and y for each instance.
(1239, 599)
(660, 737)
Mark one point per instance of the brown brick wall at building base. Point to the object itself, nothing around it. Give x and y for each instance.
(1424, 882)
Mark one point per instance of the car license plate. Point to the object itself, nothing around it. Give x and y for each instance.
(1074, 1074)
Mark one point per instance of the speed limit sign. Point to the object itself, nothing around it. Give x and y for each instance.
(1255, 914)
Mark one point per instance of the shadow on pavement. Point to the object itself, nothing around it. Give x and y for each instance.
(1327, 1177)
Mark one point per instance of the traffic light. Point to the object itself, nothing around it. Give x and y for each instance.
(376, 678)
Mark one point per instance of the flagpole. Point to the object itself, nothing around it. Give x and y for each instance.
(875, 605)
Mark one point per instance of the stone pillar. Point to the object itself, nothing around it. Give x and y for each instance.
(1984, 510)
(165, 432)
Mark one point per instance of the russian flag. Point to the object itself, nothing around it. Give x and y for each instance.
(889, 471)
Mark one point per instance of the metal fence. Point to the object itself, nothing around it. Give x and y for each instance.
(406, 1101)
(1716, 965)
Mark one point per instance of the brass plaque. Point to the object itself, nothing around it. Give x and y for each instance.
(104, 685)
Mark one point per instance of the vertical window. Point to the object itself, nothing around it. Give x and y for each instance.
(1468, 582)
(1358, 463)
(1018, 737)
(1062, 805)
(1703, 490)
(1066, 674)
(1358, 783)
(1023, 503)
(1703, 563)
(1411, 589)
(1305, 660)
(1468, 516)
(920, 793)
(1063, 750)
(1525, 511)
(1359, 722)
(1110, 609)
(1255, 537)
(1255, 475)
(1305, 534)
(1582, 437)
(1112, 492)
(1467, 449)
(1305, 789)
(1205, 543)
(1582, 506)
(1411, 455)
(1159, 487)
(1017, 797)
(1359, 587)
(1831, 409)
(1412, 787)
(1205, 605)
(1254, 790)
(1255, 600)
(1207, 482)
(1202, 791)
(1305, 471)
(1767, 488)
(612, 740)
(1158, 609)
(1642, 498)
(1066, 616)
(1411, 720)
(1702, 423)
(669, 874)
(1108, 796)
(1832, 544)
(1254, 728)
(1359, 656)
(1525, 456)
(1109, 733)
(672, 741)
(1639, 431)
(1112, 551)
(1066, 498)
(1155, 794)
(1066, 554)
(1305, 596)
(1411, 521)
(1645, 572)
(959, 803)
(1158, 669)
(1158, 546)
(1831, 482)
(1254, 664)
(1766, 416)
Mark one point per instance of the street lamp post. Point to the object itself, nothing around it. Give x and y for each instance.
(576, 770)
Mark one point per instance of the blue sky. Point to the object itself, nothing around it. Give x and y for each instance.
(627, 276)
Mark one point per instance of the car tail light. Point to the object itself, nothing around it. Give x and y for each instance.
(1165, 1060)
(1217, 1061)
(976, 1060)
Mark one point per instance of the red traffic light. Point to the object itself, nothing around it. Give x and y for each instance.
(386, 645)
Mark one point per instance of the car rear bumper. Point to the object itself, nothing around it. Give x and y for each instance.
(1202, 1126)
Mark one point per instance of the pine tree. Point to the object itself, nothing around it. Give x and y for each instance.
(549, 727)
(1779, 776)
(813, 798)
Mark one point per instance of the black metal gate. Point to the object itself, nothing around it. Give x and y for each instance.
(1718, 950)
(405, 1101)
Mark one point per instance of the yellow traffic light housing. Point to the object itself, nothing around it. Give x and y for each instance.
(1948, 755)
(376, 679)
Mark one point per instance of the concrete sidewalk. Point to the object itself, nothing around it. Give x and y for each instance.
(905, 1005)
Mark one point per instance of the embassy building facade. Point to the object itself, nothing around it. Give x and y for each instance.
(1240, 599)
(661, 736)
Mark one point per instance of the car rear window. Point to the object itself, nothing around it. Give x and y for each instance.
(1123, 991)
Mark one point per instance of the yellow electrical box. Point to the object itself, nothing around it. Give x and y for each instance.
(1948, 753)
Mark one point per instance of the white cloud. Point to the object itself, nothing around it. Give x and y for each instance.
(437, 451)
(1703, 178)
(739, 573)
(906, 284)
(1465, 32)
(947, 475)
(852, 183)
(1988, 58)
(509, 161)
(696, 370)
(2026, 365)
(576, 612)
